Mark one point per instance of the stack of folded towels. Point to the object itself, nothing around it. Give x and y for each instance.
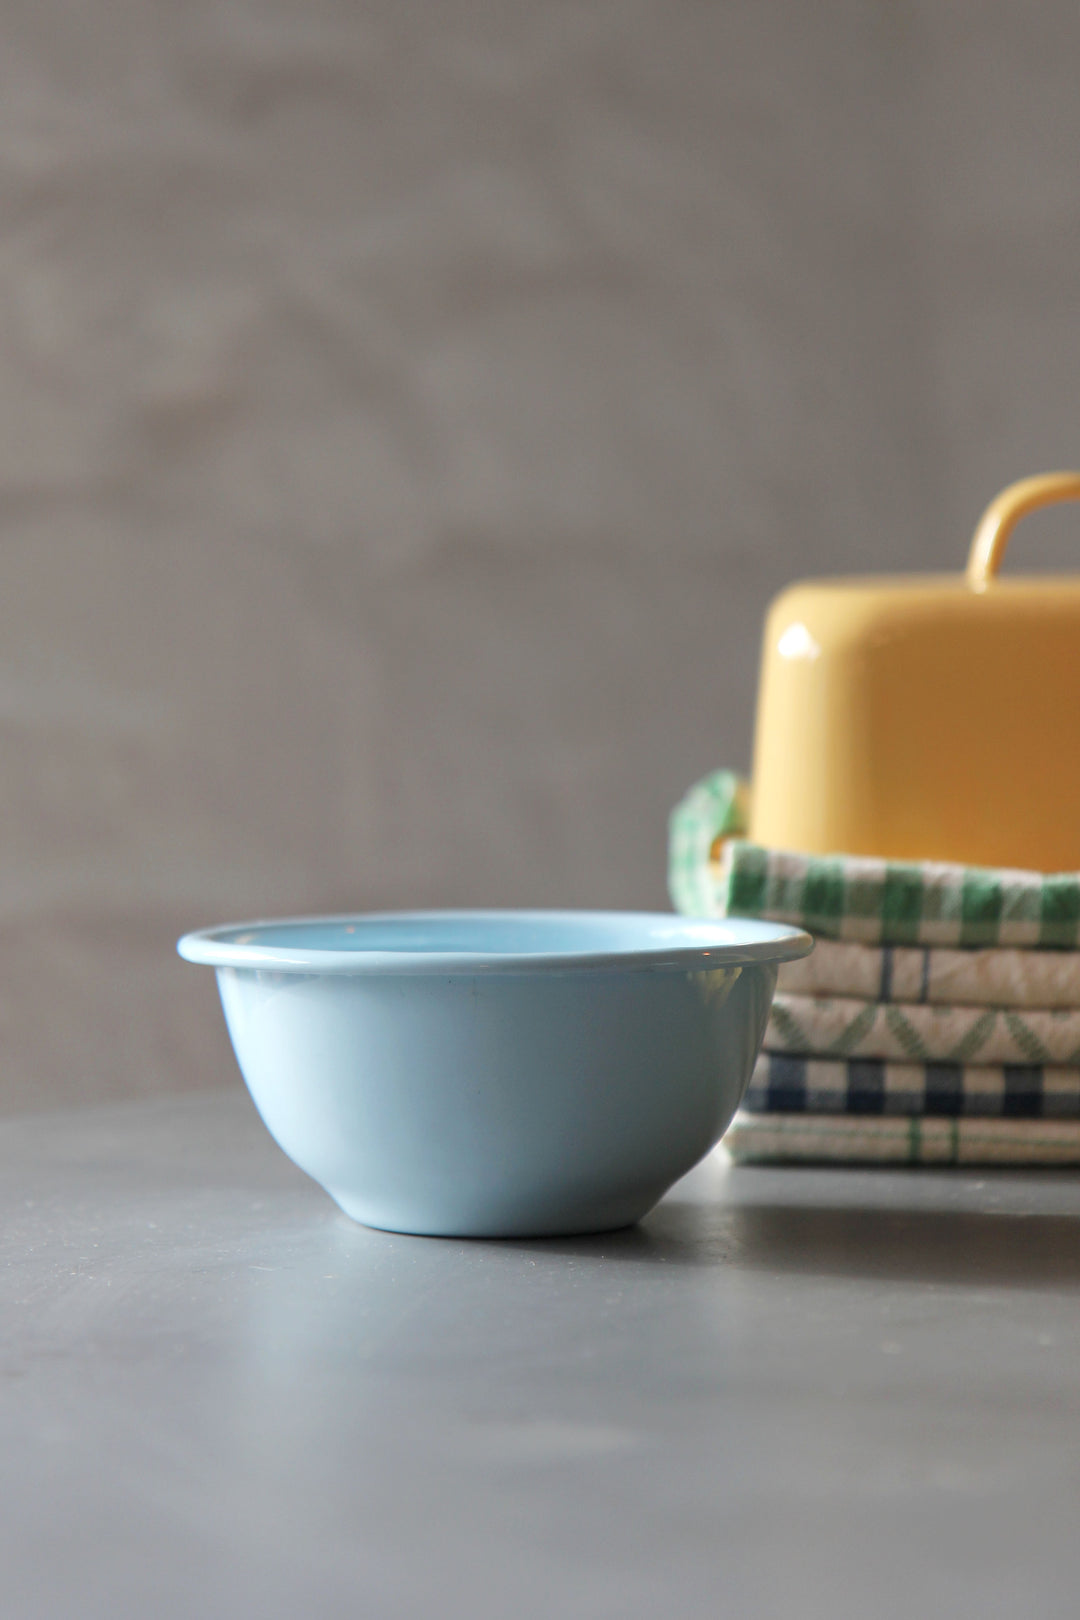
(938, 1018)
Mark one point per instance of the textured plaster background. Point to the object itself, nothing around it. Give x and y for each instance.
(407, 410)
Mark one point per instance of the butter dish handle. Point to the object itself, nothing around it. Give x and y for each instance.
(1004, 513)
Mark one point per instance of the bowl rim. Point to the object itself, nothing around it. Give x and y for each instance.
(710, 942)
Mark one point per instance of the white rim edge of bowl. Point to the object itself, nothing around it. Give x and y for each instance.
(206, 947)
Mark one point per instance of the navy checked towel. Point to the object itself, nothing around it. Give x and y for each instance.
(784, 1083)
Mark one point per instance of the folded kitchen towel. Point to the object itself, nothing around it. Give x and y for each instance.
(996, 977)
(853, 1139)
(713, 871)
(715, 808)
(898, 902)
(783, 1083)
(839, 1026)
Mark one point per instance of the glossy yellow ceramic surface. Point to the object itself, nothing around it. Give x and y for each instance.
(927, 717)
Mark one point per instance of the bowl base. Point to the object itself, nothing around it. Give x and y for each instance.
(582, 1221)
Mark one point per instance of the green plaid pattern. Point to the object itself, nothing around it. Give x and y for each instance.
(856, 897)
(899, 902)
(718, 807)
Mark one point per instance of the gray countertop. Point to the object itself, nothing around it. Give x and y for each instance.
(789, 1392)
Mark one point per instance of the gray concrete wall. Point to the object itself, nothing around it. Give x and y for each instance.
(407, 410)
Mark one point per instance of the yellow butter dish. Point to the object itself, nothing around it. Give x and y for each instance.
(932, 717)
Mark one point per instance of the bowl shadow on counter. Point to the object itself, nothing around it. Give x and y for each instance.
(975, 1248)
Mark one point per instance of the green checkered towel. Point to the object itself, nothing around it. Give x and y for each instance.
(715, 808)
(858, 897)
(857, 1139)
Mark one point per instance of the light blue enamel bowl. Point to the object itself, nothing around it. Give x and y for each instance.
(496, 1074)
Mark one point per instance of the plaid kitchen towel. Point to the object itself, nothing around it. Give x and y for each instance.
(899, 902)
(839, 1026)
(1002, 977)
(785, 1083)
(715, 808)
(851, 1139)
(858, 897)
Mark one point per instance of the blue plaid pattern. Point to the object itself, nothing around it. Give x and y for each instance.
(784, 1083)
